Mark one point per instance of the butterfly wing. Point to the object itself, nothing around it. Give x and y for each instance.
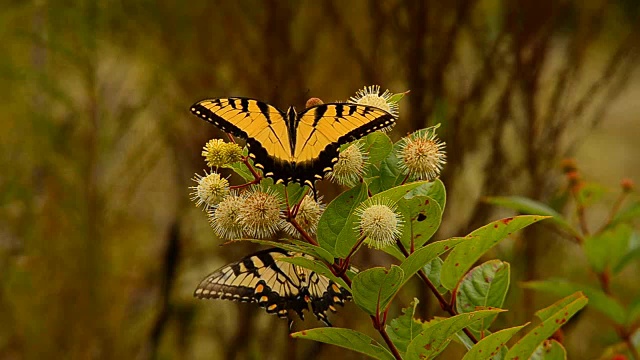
(275, 285)
(259, 278)
(263, 127)
(325, 294)
(323, 128)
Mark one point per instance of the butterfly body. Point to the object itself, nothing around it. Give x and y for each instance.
(293, 147)
(275, 285)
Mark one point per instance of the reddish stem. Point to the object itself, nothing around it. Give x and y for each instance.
(580, 209)
(405, 179)
(444, 304)
(302, 232)
(614, 210)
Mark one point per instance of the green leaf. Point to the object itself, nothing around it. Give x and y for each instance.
(295, 193)
(424, 133)
(488, 347)
(633, 313)
(348, 339)
(241, 169)
(435, 338)
(630, 256)
(336, 226)
(399, 192)
(464, 340)
(395, 98)
(485, 285)
(434, 271)
(549, 350)
(605, 250)
(434, 189)
(552, 318)
(374, 288)
(386, 175)
(312, 250)
(425, 255)
(597, 298)
(317, 266)
(404, 328)
(394, 251)
(422, 216)
(378, 145)
(532, 207)
(480, 241)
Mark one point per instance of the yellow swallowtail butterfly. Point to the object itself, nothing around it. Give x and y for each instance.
(275, 285)
(292, 147)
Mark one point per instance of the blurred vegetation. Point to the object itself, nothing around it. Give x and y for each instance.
(100, 248)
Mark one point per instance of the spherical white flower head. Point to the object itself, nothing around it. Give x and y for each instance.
(211, 189)
(379, 223)
(218, 153)
(307, 217)
(260, 214)
(422, 156)
(350, 166)
(213, 152)
(224, 217)
(370, 95)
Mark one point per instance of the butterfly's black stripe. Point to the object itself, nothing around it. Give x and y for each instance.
(264, 109)
(232, 103)
(266, 259)
(352, 109)
(236, 269)
(320, 110)
(339, 110)
(270, 262)
(292, 128)
(251, 267)
(217, 102)
(245, 105)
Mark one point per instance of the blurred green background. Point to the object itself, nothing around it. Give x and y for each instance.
(100, 247)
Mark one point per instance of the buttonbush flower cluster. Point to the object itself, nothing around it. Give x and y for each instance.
(392, 201)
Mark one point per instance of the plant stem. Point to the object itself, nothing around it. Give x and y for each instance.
(302, 232)
(405, 179)
(245, 160)
(603, 277)
(625, 335)
(632, 349)
(580, 210)
(353, 250)
(383, 332)
(614, 210)
(233, 187)
(444, 304)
